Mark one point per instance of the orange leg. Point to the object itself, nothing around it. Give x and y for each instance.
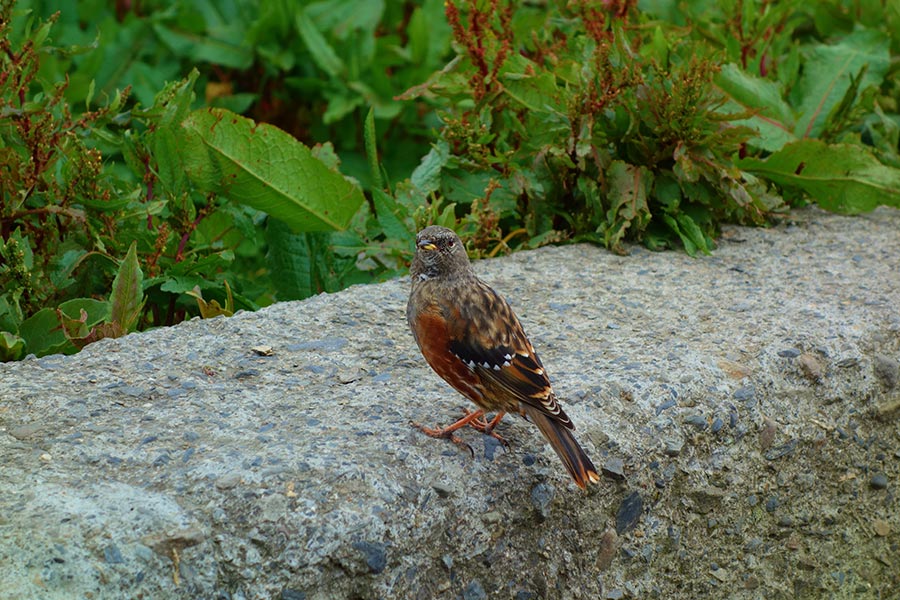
(475, 419)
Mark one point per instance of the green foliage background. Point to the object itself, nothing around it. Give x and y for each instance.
(160, 160)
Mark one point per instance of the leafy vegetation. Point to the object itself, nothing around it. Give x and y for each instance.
(196, 158)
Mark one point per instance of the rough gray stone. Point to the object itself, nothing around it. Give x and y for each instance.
(183, 463)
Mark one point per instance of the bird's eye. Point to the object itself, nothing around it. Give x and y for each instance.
(451, 243)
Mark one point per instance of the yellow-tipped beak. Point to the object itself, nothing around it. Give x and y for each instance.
(426, 245)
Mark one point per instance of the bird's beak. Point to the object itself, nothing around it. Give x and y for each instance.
(426, 245)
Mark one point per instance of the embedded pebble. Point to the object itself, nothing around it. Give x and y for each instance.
(767, 433)
(745, 393)
(542, 497)
(629, 513)
(887, 369)
(228, 481)
(606, 549)
(614, 468)
(780, 451)
(474, 591)
(665, 405)
(879, 481)
(442, 489)
(23, 432)
(113, 555)
(672, 446)
(706, 499)
(811, 366)
(698, 421)
(375, 555)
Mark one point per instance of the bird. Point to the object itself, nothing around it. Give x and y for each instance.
(470, 336)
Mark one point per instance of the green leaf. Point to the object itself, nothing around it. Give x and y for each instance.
(266, 168)
(534, 89)
(127, 299)
(840, 177)
(389, 215)
(322, 52)
(772, 119)
(43, 333)
(83, 321)
(827, 72)
(12, 347)
(427, 176)
(184, 283)
(372, 150)
(96, 310)
(207, 48)
(691, 234)
(627, 199)
(686, 240)
(300, 263)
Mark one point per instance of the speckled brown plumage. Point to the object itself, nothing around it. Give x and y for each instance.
(470, 336)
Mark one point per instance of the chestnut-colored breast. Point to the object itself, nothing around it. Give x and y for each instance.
(433, 336)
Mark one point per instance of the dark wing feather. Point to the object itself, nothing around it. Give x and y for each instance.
(491, 341)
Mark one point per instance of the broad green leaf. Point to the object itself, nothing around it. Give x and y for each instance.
(83, 321)
(773, 118)
(127, 299)
(388, 212)
(826, 76)
(299, 262)
(266, 168)
(43, 333)
(841, 177)
(427, 176)
(96, 310)
(463, 188)
(533, 88)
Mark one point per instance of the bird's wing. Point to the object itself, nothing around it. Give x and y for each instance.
(486, 335)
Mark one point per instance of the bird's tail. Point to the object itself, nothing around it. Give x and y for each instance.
(570, 452)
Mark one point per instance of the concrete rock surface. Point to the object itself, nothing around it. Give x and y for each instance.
(742, 406)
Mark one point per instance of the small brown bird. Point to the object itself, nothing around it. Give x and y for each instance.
(471, 338)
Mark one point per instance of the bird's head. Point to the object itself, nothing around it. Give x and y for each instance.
(439, 254)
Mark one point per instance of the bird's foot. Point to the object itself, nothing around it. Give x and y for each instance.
(444, 433)
(486, 427)
(473, 418)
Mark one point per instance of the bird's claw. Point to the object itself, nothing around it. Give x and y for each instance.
(445, 433)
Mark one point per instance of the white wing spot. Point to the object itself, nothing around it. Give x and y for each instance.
(496, 367)
(486, 365)
(471, 364)
(539, 371)
(508, 358)
(507, 363)
(523, 354)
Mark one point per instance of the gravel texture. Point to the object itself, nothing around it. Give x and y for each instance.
(744, 406)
